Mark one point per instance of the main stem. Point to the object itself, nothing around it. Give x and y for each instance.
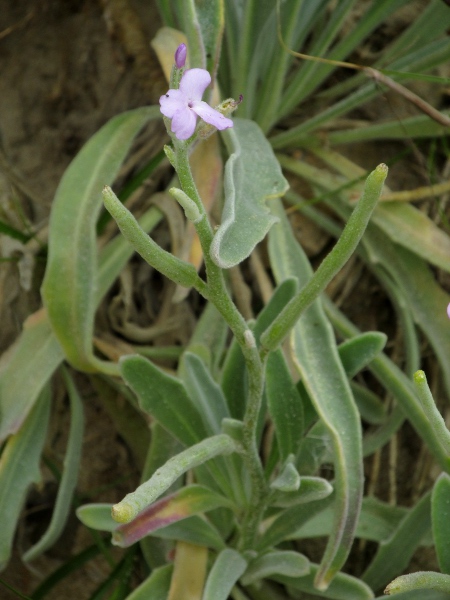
(219, 296)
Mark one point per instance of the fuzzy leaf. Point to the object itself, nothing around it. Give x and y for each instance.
(186, 502)
(226, 570)
(279, 562)
(70, 280)
(358, 352)
(19, 468)
(440, 514)
(252, 176)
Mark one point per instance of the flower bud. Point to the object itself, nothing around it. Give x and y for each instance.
(180, 56)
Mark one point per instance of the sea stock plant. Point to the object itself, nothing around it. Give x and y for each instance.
(245, 435)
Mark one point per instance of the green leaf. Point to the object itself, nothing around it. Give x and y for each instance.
(252, 175)
(205, 393)
(164, 398)
(97, 516)
(358, 352)
(186, 502)
(394, 554)
(135, 502)
(156, 586)
(68, 289)
(37, 353)
(370, 406)
(19, 468)
(226, 570)
(423, 580)
(317, 361)
(311, 489)
(69, 477)
(234, 382)
(195, 530)
(25, 370)
(343, 586)
(278, 562)
(285, 405)
(440, 515)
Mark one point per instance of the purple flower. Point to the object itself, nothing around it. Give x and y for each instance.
(180, 56)
(184, 105)
(448, 311)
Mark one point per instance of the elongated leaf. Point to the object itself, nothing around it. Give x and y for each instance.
(357, 353)
(19, 468)
(126, 510)
(156, 586)
(395, 553)
(205, 393)
(284, 404)
(195, 530)
(252, 175)
(37, 353)
(69, 477)
(234, 384)
(311, 489)
(423, 580)
(225, 572)
(418, 595)
(370, 407)
(317, 361)
(343, 587)
(186, 502)
(25, 370)
(440, 514)
(69, 284)
(278, 562)
(163, 397)
(97, 516)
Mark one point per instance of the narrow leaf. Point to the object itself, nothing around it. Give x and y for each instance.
(70, 299)
(440, 515)
(164, 398)
(311, 489)
(19, 468)
(186, 502)
(126, 510)
(317, 361)
(226, 570)
(24, 371)
(279, 562)
(343, 586)
(358, 352)
(422, 580)
(69, 477)
(285, 405)
(156, 586)
(394, 554)
(252, 175)
(97, 516)
(195, 530)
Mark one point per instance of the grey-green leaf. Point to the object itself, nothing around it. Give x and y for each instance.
(358, 352)
(226, 570)
(440, 514)
(252, 175)
(69, 477)
(70, 280)
(19, 468)
(278, 562)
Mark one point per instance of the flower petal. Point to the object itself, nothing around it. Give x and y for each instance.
(194, 82)
(172, 102)
(211, 116)
(183, 123)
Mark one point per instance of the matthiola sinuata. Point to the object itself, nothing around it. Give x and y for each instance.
(185, 104)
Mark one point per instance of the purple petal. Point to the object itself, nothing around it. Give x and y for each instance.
(183, 123)
(194, 82)
(172, 102)
(180, 56)
(211, 116)
(448, 311)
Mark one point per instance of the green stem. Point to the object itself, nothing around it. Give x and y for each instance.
(218, 295)
(330, 266)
